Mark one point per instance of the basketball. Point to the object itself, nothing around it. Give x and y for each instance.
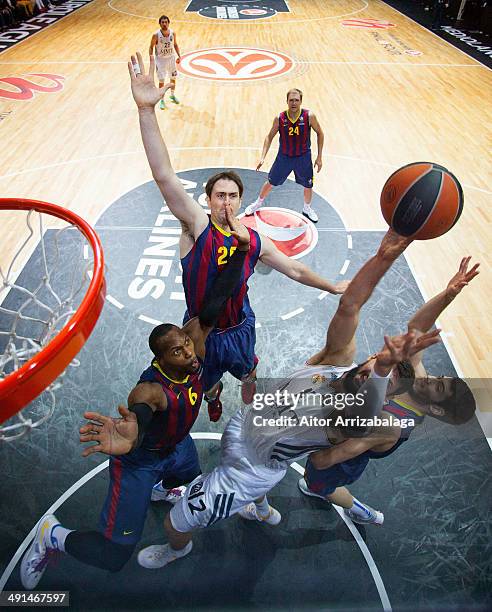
(422, 200)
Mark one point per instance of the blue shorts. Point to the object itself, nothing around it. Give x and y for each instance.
(324, 482)
(302, 166)
(132, 477)
(231, 350)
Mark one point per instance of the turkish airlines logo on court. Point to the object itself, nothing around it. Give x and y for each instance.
(23, 89)
(235, 64)
(368, 24)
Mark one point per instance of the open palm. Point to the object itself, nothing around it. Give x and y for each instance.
(145, 93)
(113, 436)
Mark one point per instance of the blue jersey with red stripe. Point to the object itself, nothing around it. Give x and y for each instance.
(295, 136)
(207, 258)
(400, 410)
(184, 397)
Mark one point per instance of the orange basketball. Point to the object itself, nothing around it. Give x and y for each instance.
(422, 200)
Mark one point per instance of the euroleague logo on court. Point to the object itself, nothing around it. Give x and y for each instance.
(23, 89)
(367, 24)
(147, 279)
(235, 64)
(291, 233)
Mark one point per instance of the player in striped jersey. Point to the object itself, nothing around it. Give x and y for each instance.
(444, 398)
(294, 154)
(149, 443)
(206, 246)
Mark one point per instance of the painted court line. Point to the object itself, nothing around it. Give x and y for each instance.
(196, 436)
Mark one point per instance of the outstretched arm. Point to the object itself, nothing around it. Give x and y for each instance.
(318, 163)
(199, 327)
(146, 96)
(395, 349)
(426, 316)
(267, 142)
(296, 270)
(118, 436)
(339, 348)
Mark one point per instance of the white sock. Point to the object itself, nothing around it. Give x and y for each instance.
(359, 509)
(260, 200)
(184, 551)
(307, 206)
(57, 536)
(263, 508)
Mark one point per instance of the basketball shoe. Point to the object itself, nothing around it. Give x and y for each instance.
(302, 484)
(250, 513)
(155, 557)
(372, 517)
(215, 405)
(159, 493)
(252, 208)
(40, 553)
(308, 212)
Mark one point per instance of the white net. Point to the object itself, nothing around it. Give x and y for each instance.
(41, 288)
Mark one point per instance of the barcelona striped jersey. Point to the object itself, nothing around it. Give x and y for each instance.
(295, 136)
(208, 257)
(184, 397)
(399, 410)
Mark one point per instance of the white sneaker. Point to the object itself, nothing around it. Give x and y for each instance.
(308, 212)
(373, 518)
(155, 557)
(302, 484)
(159, 493)
(250, 513)
(252, 208)
(38, 555)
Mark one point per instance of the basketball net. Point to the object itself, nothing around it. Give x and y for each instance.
(34, 310)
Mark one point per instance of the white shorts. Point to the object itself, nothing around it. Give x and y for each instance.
(233, 484)
(166, 67)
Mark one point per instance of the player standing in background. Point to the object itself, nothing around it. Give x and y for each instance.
(206, 246)
(164, 45)
(294, 154)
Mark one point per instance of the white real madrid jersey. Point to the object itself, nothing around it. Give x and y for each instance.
(295, 425)
(165, 44)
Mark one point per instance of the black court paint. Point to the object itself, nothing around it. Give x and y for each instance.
(235, 10)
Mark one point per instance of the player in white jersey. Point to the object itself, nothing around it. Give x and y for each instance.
(167, 55)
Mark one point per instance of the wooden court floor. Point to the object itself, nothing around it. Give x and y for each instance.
(380, 108)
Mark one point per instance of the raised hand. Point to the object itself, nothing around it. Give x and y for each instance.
(113, 436)
(145, 93)
(404, 346)
(462, 277)
(238, 230)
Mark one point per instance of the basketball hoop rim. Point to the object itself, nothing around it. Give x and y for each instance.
(25, 384)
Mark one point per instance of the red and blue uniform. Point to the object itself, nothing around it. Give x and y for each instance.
(230, 347)
(167, 453)
(294, 154)
(324, 482)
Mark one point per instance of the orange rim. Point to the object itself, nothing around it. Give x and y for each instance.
(25, 384)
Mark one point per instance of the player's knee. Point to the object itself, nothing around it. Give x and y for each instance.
(116, 556)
